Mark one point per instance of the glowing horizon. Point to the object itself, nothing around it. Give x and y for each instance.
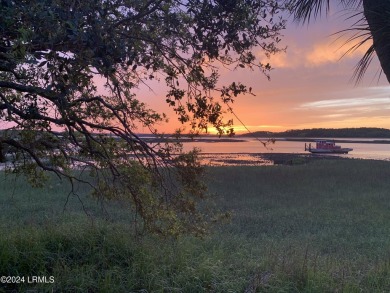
(310, 86)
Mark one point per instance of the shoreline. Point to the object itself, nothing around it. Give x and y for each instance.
(211, 139)
(338, 140)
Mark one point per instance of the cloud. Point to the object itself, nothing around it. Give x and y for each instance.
(321, 54)
(285, 60)
(291, 58)
(333, 51)
(314, 56)
(359, 98)
(352, 102)
(334, 116)
(324, 51)
(279, 61)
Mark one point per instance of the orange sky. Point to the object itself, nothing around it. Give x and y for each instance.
(310, 86)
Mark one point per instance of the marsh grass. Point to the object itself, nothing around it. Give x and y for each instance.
(317, 227)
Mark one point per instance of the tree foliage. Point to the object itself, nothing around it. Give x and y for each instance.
(56, 116)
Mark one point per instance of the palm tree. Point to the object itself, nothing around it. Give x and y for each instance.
(374, 24)
(377, 14)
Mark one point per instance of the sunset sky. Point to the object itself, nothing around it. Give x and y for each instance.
(310, 86)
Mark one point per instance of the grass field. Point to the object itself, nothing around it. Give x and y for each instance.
(319, 227)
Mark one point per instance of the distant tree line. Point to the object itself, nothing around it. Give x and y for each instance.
(364, 132)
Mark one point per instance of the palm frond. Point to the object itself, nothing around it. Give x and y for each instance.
(361, 35)
(363, 64)
(305, 10)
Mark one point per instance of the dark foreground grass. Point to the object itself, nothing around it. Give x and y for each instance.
(320, 227)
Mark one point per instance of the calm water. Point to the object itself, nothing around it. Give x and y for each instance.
(252, 146)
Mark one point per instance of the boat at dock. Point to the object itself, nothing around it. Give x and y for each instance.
(326, 147)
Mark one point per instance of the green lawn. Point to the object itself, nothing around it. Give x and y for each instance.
(319, 227)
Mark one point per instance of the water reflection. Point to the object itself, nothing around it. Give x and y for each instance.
(221, 159)
(246, 149)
